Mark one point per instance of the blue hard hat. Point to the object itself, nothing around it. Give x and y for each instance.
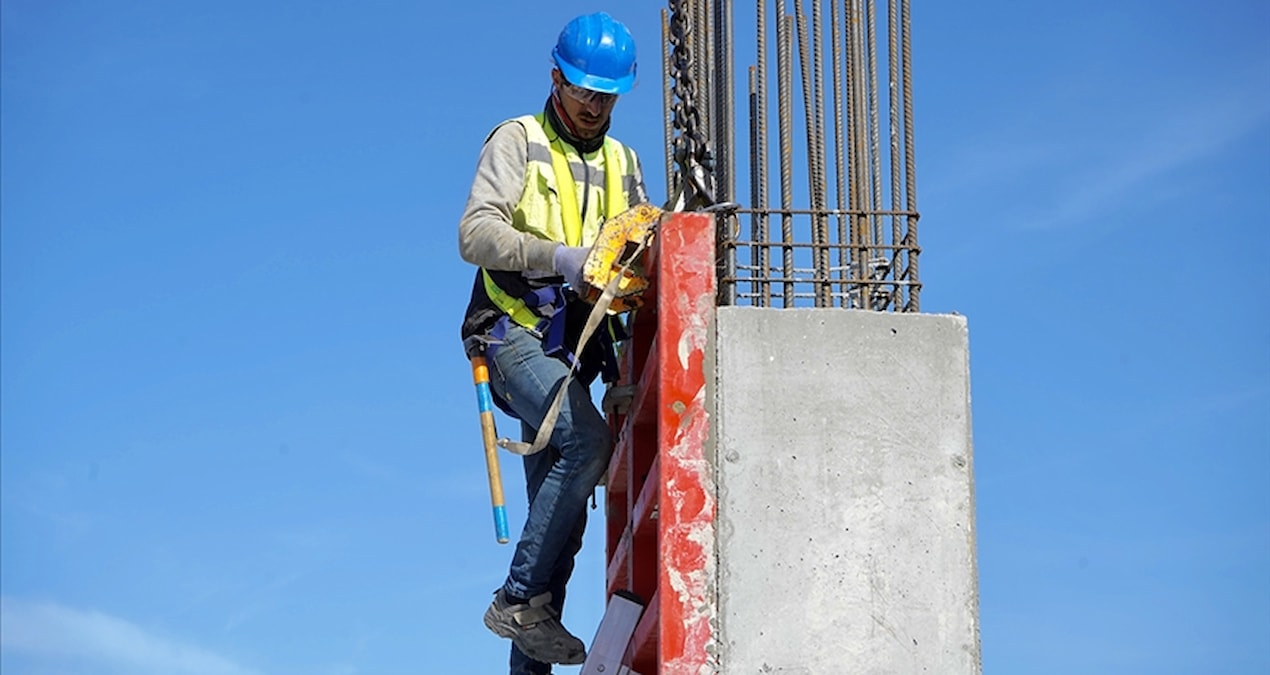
(597, 52)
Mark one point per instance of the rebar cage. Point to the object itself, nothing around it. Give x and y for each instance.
(842, 231)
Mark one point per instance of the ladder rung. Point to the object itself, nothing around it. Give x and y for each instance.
(619, 568)
(641, 412)
(619, 471)
(645, 509)
(617, 507)
(643, 329)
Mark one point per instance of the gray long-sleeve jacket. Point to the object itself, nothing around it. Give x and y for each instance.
(486, 236)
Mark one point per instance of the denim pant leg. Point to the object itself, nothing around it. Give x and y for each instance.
(523, 665)
(536, 468)
(526, 379)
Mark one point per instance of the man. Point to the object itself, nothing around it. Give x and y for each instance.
(544, 185)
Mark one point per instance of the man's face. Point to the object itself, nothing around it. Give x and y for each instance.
(588, 110)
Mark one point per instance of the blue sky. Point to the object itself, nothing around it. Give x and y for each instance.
(239, 435)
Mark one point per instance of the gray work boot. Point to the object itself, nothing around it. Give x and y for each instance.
(535, 630)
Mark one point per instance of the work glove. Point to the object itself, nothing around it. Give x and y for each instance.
(568, 262)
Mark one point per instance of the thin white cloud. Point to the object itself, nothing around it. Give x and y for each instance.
(266, 595)
(1169, 140)
(65, 634)
(1057, 164)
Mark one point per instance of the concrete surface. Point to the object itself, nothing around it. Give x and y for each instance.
(845, 493)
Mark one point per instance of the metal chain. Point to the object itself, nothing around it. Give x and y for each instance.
(691, 151)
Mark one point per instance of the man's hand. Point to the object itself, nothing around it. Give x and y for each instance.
(568, 262)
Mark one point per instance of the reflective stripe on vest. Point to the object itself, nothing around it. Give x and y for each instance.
(570, 212)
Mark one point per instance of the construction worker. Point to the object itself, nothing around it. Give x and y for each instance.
(544, 185)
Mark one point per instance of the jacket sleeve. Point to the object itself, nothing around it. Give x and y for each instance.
(486, 235)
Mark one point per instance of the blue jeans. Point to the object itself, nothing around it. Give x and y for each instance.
(559, 480)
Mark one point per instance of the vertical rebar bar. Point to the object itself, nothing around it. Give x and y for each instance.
(838, 131)
(703, 57)
(807, 85)
(724, 103)
(813, 103)
(910, 237)
(860, 156)
(785, 95)
(893, 69)
(824, 289)
(758, 160)
(850, 94)
(868, 143)
(725, 139)
(875, 153)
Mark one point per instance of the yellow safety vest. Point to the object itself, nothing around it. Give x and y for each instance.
(549, 212)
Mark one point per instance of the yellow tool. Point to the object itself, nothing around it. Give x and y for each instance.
(485, 403)
(618, 250)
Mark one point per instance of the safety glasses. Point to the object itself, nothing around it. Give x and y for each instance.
(587, 96)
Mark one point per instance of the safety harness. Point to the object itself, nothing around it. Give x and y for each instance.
(544, 310)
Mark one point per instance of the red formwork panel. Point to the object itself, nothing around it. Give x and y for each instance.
(686, 508)
(661, 511)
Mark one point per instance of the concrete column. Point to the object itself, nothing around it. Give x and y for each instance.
(845, 522)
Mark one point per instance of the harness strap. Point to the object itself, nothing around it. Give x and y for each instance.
(536, 611)
(598, 312)
(533, 311)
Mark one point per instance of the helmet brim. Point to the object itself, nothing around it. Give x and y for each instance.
(604, 85)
